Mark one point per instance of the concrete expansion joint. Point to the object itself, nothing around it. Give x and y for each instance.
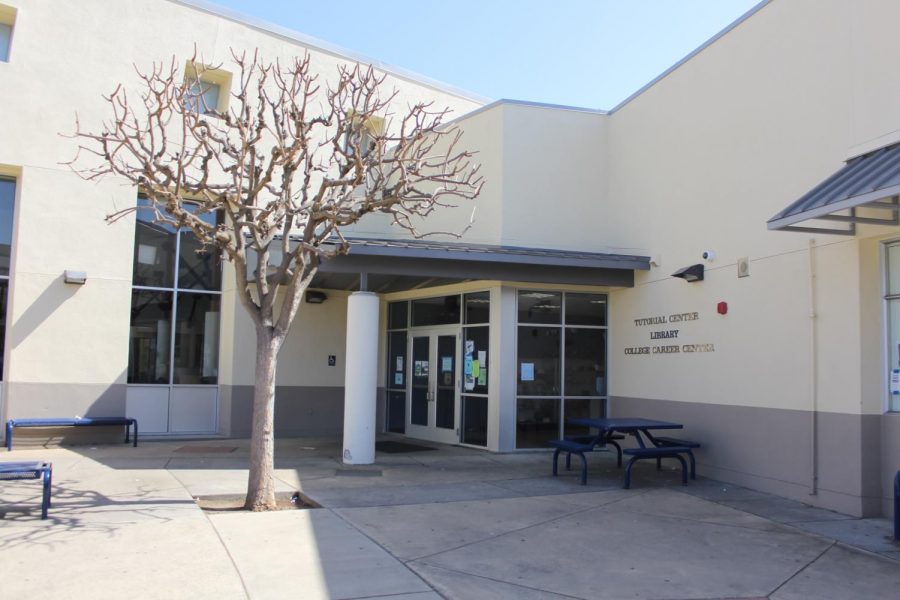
(803, 568)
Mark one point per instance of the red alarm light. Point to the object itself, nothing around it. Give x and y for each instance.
(722, 308)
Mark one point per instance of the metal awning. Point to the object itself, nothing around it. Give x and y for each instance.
(395, 265)
(864, 191)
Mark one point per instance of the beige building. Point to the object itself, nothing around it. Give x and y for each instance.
(558, 302)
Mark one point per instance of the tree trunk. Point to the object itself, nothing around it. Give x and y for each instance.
(261, 481)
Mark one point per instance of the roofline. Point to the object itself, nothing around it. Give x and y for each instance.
(779, 221)
(323, 46)
(527, 103)
(691, 55)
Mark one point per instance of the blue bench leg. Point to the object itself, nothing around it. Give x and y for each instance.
(684, 469)
(626, 484)
(9, 429)
(135, 433)
(693, 465)
(583, 468)
(658, 463)
(568, 461)
(555, 460)
(618, 452)
(45, 504)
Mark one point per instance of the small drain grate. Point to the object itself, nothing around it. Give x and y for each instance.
(357, 473)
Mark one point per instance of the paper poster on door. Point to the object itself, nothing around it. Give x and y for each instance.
(446, 364)
(895, 381)
(482, 358)
(398, 378)
(476, 368)
(399, 363)
(420, 368)
(527, 372)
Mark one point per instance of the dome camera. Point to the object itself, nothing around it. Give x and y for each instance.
(709, 255)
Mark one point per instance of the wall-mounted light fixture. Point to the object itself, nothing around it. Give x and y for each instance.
(314, 297)
(75, 277)
(690, 274)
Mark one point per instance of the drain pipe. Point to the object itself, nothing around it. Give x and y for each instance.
(813, 373)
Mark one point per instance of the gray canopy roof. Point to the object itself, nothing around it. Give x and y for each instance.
(869, 181)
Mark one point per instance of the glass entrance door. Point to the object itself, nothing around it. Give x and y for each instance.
(434, 386)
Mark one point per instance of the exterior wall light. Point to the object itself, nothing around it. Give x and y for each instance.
(690, 274)
(313, 297)
(75, 277)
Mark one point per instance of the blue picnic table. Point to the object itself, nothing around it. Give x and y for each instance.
(649, 446)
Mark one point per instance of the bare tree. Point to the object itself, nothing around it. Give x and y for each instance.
(288, 165)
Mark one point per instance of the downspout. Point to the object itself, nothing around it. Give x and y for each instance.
(813, 374)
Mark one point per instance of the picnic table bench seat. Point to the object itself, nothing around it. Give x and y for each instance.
(17, 471)
(73, 422)
(658, 453)
(611, 439)
(571, 447)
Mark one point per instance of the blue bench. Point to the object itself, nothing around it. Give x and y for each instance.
(76, 422)
(597, 441)
(571, 447)
(669, 442)
(30, 470)
(658, 453)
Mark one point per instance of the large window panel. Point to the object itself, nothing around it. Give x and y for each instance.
(474, 418)
(540, 307)
(582, 408)
(476, 357)
(537, 422)
(199, 267)
(585, 362)
(197, 339)
(7, 205)
(538, 364)
(443, 310)
(154, 250)
(149, 343)
(586, 309)
(478, 308)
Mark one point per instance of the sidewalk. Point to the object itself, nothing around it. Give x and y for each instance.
(447, 523)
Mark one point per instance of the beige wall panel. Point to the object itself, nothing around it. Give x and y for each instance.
(761, 355)
(63, 333)
(554, 178)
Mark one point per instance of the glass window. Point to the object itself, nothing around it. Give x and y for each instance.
(443, 310)
(585, 362)
(5, 39)
(538, 364)
(396, 375)
(4, 290)
(202, 97)
(586, 309)
(154, 250)
(537, 422)
(893, 261)
(398, 313)
(149, 343)
(199, 268)
(540, 307)
(474, 418)
(475, 359)
(396, 412)
(582, 408)
(7, 204)
(478, 308)
(197, 339)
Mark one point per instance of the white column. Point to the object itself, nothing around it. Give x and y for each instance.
(361, 378)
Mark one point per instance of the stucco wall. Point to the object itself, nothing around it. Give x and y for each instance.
(64, 56)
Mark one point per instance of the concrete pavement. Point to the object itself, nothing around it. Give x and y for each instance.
(449, 523)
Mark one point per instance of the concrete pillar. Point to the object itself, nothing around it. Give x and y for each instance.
(361, 378)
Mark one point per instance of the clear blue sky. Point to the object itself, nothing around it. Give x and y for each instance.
(590, 53)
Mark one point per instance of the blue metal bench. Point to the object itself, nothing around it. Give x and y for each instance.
(596, 440)
(76, 422)
(657, 453)
(669, 442)
(571, 447)
(30, 470)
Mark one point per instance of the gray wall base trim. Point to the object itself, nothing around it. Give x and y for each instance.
(299, 410)
(769, 449)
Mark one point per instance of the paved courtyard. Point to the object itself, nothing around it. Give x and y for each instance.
(445, 523)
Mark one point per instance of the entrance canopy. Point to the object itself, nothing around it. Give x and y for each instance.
(869, 183)
(383, 266)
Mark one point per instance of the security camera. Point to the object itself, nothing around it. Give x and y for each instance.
(709, 255)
